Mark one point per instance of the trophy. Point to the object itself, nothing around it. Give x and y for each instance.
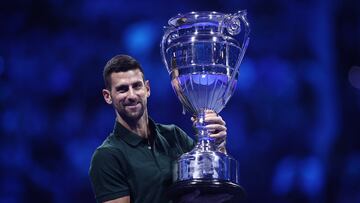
(202, 52)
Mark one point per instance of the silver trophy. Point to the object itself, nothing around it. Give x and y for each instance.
(202, 52)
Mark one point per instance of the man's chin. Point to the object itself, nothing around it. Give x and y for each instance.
(133, 116)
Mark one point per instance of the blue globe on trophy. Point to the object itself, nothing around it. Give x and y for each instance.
(202, 52)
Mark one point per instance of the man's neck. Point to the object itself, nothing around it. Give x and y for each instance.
(139, 127)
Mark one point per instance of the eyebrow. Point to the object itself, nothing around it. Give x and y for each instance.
(131, 84)
(137, 83)
(120, 87)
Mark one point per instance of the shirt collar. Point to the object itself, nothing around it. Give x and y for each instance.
(131, 138)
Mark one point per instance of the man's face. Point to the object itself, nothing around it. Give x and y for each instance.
(128, 94)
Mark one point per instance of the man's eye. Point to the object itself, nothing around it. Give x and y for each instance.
(137, 86)
(121, 89)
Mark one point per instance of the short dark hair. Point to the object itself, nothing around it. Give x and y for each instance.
(119, 63)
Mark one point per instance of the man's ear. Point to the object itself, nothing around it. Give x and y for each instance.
(107, 96)
(147, 85)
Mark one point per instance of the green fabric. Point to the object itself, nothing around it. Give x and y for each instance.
(125, 164)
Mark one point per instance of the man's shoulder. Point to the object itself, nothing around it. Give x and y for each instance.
(110, 146)
(166, 127)
(106, 156)
(170, 129)
(111, 142)
(172, 132)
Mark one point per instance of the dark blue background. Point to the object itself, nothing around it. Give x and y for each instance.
(293, 122)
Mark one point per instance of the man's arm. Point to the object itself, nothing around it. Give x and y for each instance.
(108, 176)
(125, 199)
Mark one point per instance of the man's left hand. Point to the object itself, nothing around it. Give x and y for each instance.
(216, 128)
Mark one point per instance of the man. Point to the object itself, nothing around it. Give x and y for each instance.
(134, 163)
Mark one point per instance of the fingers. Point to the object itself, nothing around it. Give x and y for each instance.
(211, 118)
(217, 120)
(210, 113)
(219, 136)
(214, 118)
(222, 146)
(215, 125)
(215, 128)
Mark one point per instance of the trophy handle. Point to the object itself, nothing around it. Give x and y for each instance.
(232, 23)
(168, 31)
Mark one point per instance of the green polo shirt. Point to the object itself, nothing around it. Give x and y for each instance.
(125, 164)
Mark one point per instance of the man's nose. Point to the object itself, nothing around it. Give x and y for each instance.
(131, 93)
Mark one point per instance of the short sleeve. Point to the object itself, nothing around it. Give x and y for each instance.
(108, 175)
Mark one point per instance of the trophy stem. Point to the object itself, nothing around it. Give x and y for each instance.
(205, 142)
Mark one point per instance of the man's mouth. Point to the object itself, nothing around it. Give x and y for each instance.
(132, 105)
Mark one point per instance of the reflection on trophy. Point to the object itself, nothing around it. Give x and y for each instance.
(202, 52)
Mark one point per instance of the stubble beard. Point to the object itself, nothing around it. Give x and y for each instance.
(131, 116)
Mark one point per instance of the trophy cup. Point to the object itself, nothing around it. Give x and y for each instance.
(202, 53)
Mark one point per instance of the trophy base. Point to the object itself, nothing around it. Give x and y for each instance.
(206, 187)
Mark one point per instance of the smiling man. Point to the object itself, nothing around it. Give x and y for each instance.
(134, 162)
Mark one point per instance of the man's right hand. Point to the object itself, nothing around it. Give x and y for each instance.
(125, 199)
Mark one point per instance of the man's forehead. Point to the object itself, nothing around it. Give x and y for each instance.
(129, 76)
